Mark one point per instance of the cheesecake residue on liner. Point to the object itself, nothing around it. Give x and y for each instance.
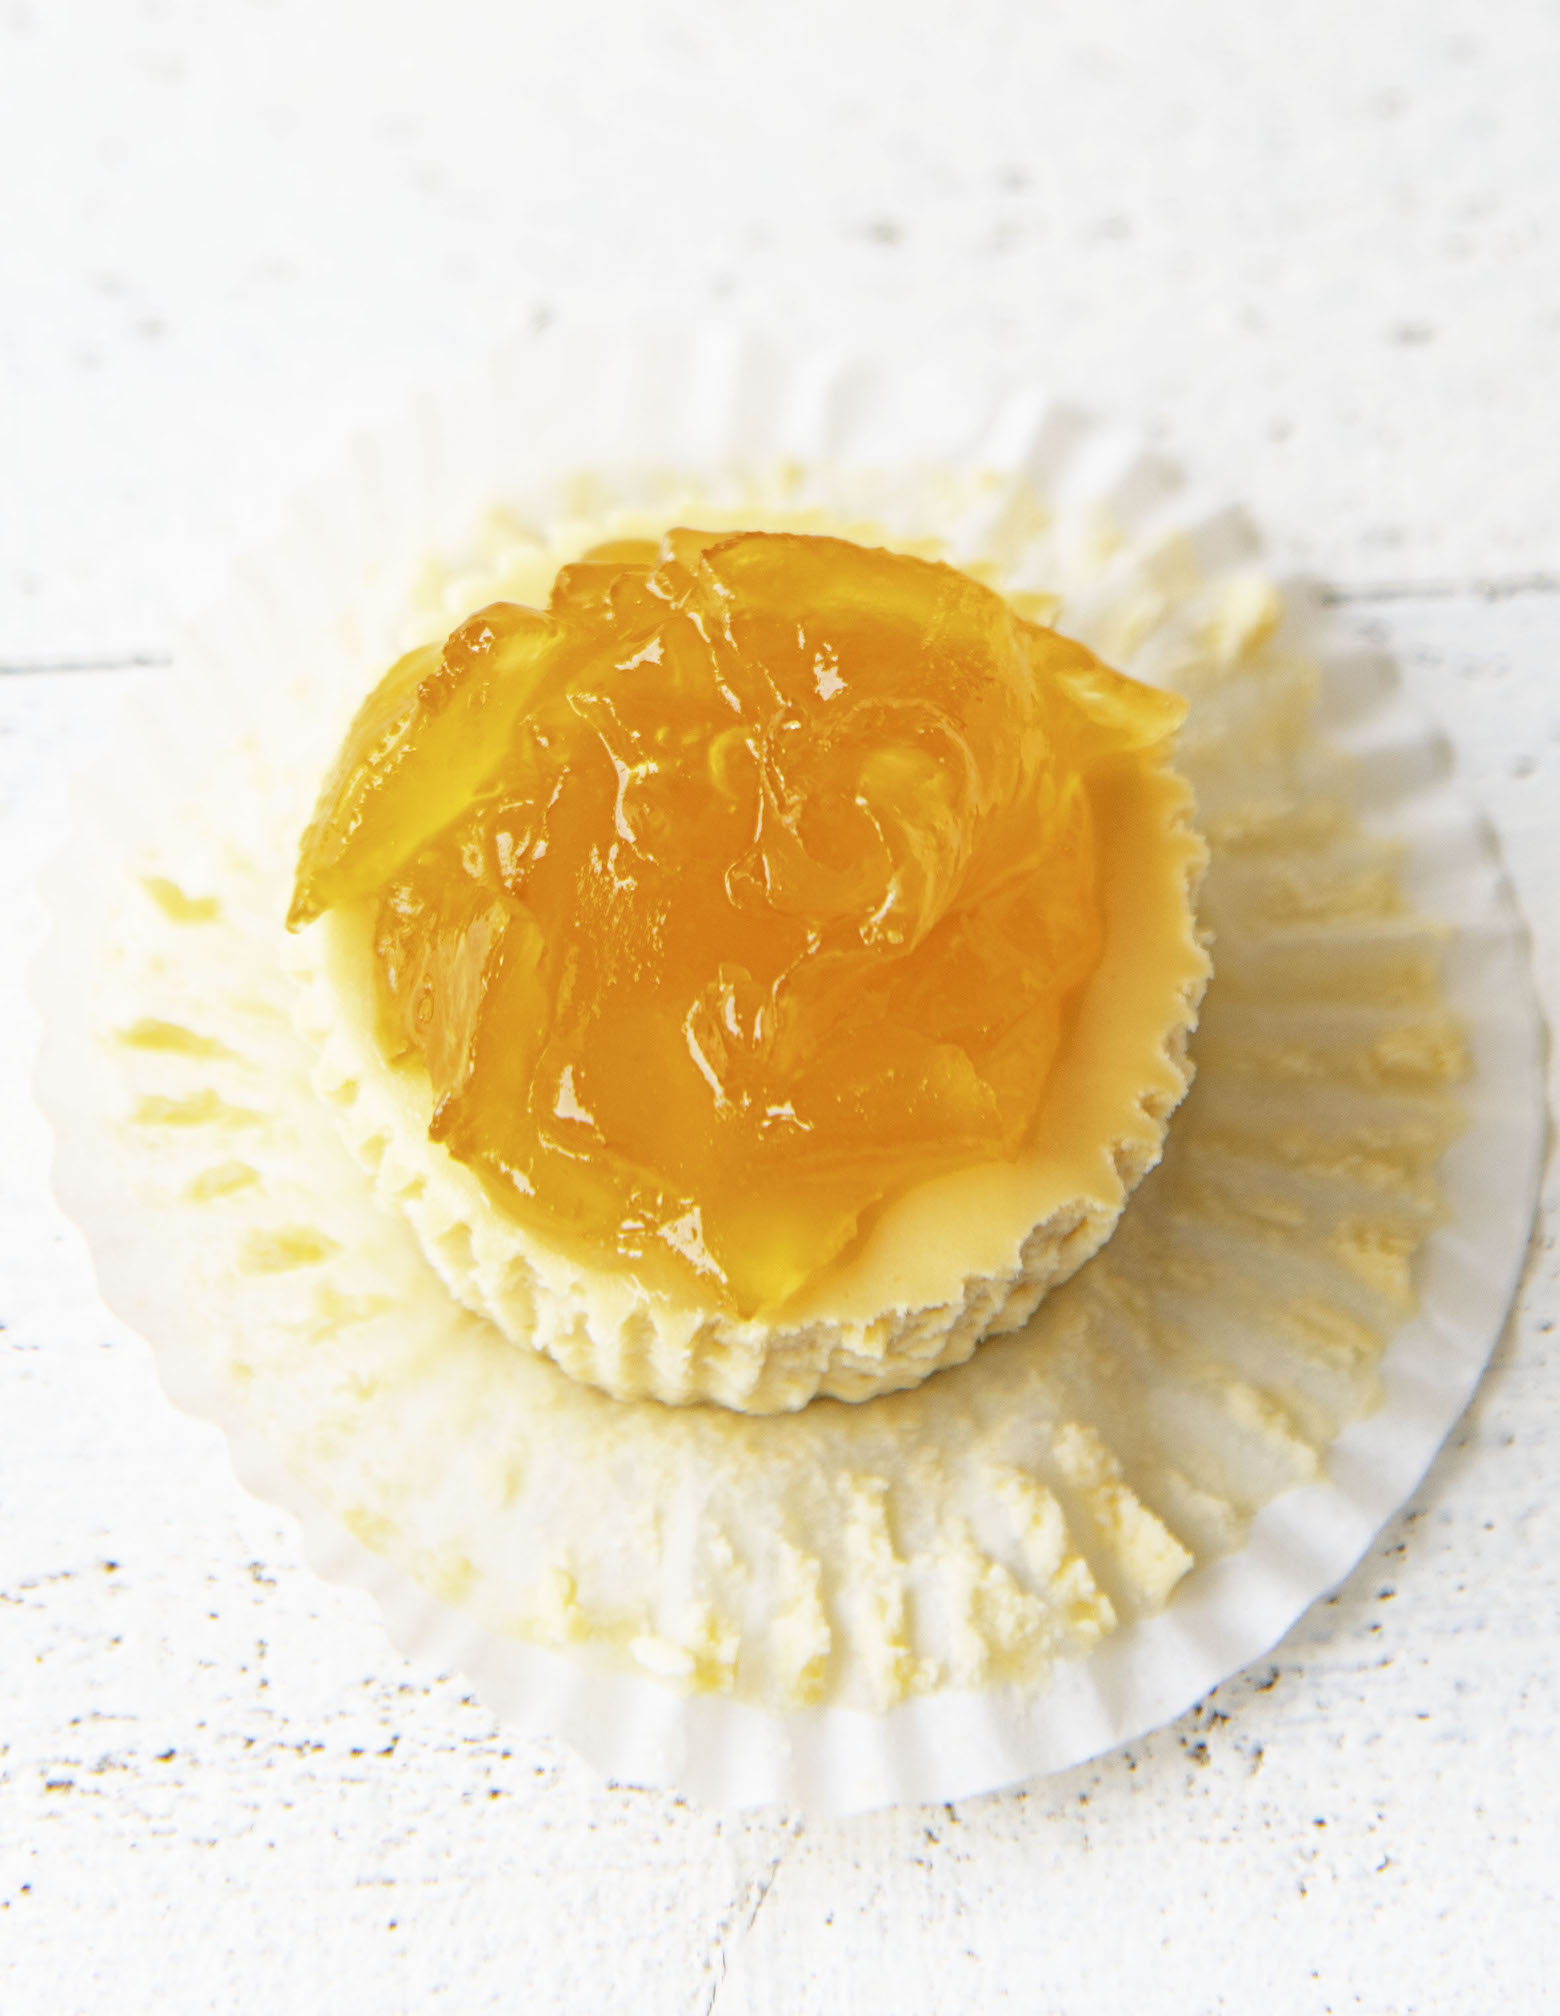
(1013, 1510)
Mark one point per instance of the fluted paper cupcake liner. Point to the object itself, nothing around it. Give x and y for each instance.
(1031, 1557)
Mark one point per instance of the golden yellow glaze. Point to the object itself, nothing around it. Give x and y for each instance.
(749, 887)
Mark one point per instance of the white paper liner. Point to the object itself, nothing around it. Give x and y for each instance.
(718, 407)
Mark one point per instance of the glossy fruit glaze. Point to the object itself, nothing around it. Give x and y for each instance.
(748, 885)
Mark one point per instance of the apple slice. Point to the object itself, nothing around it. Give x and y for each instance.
(419, 750)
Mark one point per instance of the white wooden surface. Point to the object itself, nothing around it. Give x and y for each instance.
(1317, 251)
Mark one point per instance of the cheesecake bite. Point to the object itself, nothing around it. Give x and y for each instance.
(769, 966)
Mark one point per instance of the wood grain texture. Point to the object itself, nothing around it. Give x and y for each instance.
(1318, 252)
(1319, 248)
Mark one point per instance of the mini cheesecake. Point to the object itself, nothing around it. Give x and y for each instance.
(760, 974)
